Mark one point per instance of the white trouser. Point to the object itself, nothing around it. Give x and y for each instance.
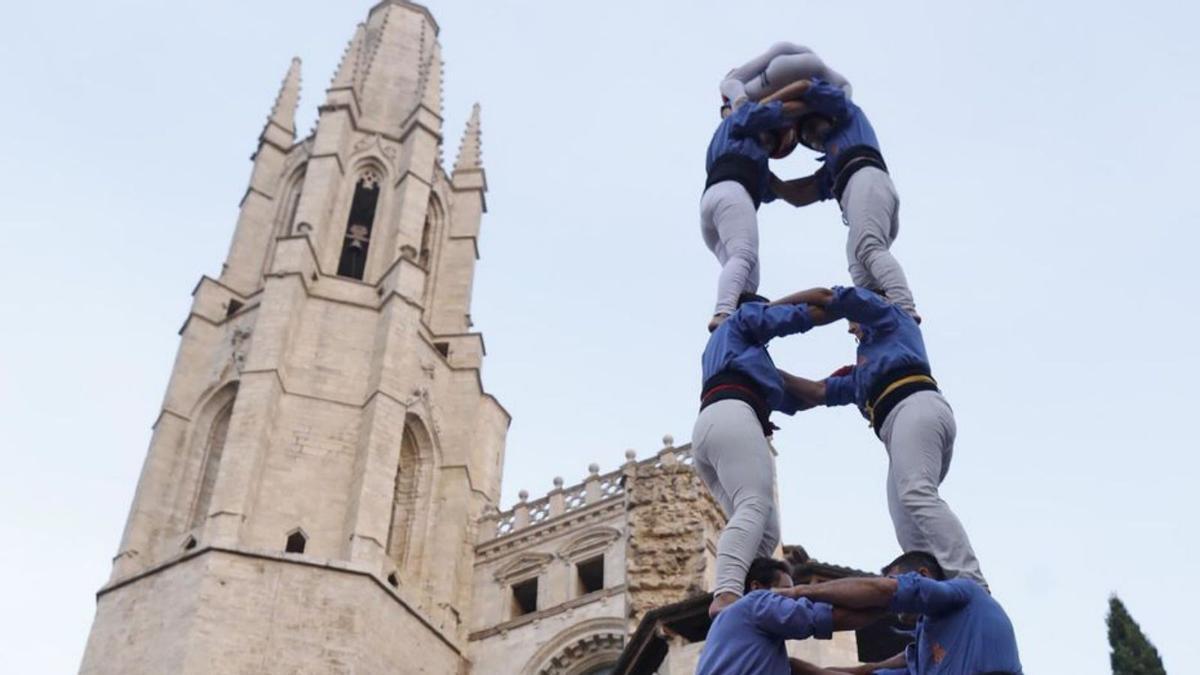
(729, 224)
(734, 460)
(919, 437)
(871, 209)
(781, 65)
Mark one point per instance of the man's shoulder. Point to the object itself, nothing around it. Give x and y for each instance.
(974, 592)
(740, 611)
(755, 601)
(746, 312)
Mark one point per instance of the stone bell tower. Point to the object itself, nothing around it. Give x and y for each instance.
(325, 447)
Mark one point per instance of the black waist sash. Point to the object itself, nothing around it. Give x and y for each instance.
(729, 384)
(740, 169)
(850, 161)
(882, 398)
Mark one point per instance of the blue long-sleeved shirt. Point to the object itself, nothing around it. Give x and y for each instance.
(738, 135)
(748, 637)
(891, 340)
(851, 128)
(962, 628)
(740, 344)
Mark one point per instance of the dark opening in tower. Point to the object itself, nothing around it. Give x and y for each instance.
(353, 262)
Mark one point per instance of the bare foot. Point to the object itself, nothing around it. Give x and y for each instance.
(717, 320)
(720, 602)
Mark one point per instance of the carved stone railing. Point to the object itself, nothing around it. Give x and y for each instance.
(560, 501)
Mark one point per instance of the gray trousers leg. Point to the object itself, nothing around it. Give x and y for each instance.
(729, 224)
(735, 463)
(871, 209)
(919, 437)
(788, 68)
(782, 64)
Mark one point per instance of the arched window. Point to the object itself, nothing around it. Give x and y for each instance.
(404, 498)
(286, 219)
(296, 541)
(214, 448)
(433, 217)
(291, 206)
(353, 262)
(424, 256)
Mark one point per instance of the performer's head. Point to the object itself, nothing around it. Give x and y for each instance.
(855, 329)
(779, 144)
(768, 573)
(916, 561)
(813, 129)
(750, 297)
(919, 562)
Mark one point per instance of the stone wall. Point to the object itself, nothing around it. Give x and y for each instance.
(216, 613)
(673, 524)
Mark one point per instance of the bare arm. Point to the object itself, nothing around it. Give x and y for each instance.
(810, 394)
(898, 661)
(799, 667)
(853, 619)
(793, 108)
(849, 593)
(798, 191)
(792, 92)
(813, 297)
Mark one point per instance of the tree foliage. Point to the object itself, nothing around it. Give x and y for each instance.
(1132, 653)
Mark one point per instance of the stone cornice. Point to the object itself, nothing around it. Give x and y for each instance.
(474, 241)
(417, 111)
(416, 176)
(337, 157)
(526, 619)
(355, 111)
(245, 309)
(253, 191)
(205, 278)
(468, 334)
(167, 412)
(470, 483)
(289, 559)
(564, 524)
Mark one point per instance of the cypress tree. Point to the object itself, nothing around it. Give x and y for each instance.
(1132, 653)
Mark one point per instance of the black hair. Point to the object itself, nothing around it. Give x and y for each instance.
(807, 120)
(750, 297)
(915, 560)
(764, 571)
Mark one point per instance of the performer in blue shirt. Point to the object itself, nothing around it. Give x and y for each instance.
(738, 181)
(854, 172)
(893, 386)
(960, 628)
(749, 637)
(741, 387)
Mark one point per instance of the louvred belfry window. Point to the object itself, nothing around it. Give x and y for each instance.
(353, 262)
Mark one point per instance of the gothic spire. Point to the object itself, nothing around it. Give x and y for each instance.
(347, 72)
(470, 157)
(283, 115)
(431, 81)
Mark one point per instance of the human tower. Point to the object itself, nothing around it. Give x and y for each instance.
(784, 98)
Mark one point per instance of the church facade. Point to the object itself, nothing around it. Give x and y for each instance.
(321, 491)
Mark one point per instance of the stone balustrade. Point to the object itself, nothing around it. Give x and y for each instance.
(561, 500)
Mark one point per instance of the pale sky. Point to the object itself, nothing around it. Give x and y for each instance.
(1044, 154)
